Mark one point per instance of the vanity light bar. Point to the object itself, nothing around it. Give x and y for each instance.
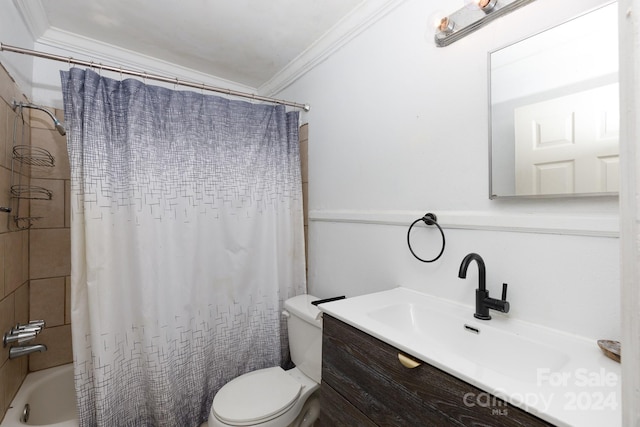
(472, 17)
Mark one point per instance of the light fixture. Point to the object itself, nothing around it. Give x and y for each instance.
(476, 14)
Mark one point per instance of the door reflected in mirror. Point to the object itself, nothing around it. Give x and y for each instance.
(554, 111)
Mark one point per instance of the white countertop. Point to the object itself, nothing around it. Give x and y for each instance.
(561, 378)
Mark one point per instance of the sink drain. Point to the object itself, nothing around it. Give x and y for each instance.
(25, 413)
(472, 329)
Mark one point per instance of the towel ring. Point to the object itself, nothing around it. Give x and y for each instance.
(428, 219)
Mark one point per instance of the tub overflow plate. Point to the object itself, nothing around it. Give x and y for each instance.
(25, 413)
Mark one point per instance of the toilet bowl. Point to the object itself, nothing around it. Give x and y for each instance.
(273, 397)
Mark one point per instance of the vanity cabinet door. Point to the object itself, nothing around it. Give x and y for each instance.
(366, 372)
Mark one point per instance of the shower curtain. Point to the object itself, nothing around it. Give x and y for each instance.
(187, 236)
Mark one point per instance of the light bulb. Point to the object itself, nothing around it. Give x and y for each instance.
(487, 5)
(435, 18)
(445, 25)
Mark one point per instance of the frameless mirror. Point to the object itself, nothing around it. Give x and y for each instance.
(554, 111)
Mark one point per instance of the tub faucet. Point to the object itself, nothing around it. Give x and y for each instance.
(20, 334)
(483, 301)
(18, 351)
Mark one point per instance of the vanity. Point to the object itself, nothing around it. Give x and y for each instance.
(403, 358)
(370, 375)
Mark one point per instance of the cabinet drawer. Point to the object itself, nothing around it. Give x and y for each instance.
(342, 413)
(367, 373)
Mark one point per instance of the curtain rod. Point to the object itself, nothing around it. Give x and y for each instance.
(144, 75)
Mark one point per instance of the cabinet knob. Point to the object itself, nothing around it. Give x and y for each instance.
(408, 362)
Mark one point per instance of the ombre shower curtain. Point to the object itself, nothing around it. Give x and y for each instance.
(187, 236)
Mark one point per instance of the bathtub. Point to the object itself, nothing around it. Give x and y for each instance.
(50, 394)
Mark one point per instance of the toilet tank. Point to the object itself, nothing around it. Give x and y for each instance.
(304, 325)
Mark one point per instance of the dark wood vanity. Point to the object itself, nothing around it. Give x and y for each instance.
(364, 384)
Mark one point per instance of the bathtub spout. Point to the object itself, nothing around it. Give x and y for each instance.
(25, 349)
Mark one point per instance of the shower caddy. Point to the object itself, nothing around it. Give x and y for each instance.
(25, 155)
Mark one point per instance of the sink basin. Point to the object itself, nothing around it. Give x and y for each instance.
(561, 378)
(471, 341)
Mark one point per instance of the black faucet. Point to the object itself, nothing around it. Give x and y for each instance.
(483, 301)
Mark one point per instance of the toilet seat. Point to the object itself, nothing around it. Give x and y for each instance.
(256, 397)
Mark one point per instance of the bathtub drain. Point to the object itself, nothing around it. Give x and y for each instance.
(25, 413)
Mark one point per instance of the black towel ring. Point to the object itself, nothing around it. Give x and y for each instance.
(428, 219)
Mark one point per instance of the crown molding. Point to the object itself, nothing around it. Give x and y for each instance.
(362, 17)
(366, 14)
(70, 44)
(34, 16)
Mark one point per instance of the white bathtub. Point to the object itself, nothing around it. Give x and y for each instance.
(50, 394)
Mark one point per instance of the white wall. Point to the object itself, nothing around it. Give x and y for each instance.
(13, 32)
(398, 125)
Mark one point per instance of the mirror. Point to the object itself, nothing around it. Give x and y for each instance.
(554, 111)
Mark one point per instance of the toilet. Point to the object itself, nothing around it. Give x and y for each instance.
(273, 397)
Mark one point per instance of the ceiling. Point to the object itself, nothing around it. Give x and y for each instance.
(245, 41)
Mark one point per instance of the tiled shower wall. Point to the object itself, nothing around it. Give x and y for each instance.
(14, 249)
(35, 262)
(50, 246)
